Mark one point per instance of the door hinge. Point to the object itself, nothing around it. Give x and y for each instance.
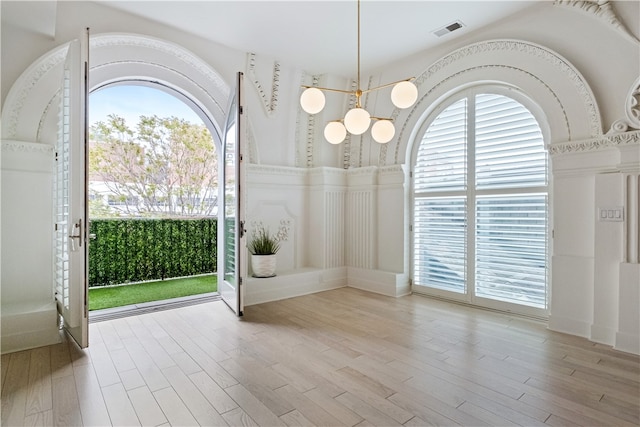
(410, 227)
(56, 156)
(241, 109)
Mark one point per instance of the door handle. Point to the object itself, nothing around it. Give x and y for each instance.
(77, 227)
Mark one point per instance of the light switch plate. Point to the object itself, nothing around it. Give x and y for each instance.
(611, 213)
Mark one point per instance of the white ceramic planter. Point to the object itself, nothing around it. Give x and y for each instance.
(263, 265)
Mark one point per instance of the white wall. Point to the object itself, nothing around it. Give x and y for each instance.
(571, 60)
(27, 248)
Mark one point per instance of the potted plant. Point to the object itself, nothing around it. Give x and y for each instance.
(263, 248)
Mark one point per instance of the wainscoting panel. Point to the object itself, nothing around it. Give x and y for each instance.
(360, 229)
(335, 209)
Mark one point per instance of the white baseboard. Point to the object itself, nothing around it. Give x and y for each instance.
(629, 343)
(380, 282)
(293, 284)
(603, 334)
(569, 326)
(29, 325)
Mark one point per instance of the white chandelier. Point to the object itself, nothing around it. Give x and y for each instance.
(357, 120)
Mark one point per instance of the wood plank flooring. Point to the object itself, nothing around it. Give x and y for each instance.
(336, 358)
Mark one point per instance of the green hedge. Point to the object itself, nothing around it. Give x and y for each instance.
(134, 250)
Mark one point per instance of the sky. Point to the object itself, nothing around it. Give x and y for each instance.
(131, 102)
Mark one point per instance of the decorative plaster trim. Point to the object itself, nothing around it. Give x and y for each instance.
(534, 50)
(276, 170)
(310, 128)
(415, 109)
(367, 170)
(602, 10)
(19, 92)
(270, 105)
(282, 235)
(56, 96)
(347, 155)
(327, 171)
(174, 50)
(250, 141)
(11, 146)
(28, 80)
(632, 111)
(391, 169)
(594, 144)
(633, 104)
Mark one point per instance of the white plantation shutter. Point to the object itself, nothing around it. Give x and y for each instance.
(511, 248)
(480, 202)
(442, 156)
(440, 239)
(509, 147)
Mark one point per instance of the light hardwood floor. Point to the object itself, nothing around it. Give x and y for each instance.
(342, 357)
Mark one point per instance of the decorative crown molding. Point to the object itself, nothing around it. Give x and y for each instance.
(602, 10)
(594, 144)
(270, 105)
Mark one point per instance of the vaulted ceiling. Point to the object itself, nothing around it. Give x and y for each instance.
(315, 35)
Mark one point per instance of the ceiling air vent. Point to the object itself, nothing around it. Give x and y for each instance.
(449, 28)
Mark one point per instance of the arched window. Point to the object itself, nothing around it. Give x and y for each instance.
(480, 203)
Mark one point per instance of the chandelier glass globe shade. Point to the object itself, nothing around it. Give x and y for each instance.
(382, 131)
(335, 132)
(404, 94)
(357, 121)
(312, 100)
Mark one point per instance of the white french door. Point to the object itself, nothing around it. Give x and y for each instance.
(71, 252)
(480, 204)
(231, 266)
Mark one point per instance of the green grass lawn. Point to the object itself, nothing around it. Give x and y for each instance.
(117, 296)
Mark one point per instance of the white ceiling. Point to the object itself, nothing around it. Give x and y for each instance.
(318, 36)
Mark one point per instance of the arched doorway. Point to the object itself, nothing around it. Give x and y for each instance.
(30, 119)
(152, 200)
